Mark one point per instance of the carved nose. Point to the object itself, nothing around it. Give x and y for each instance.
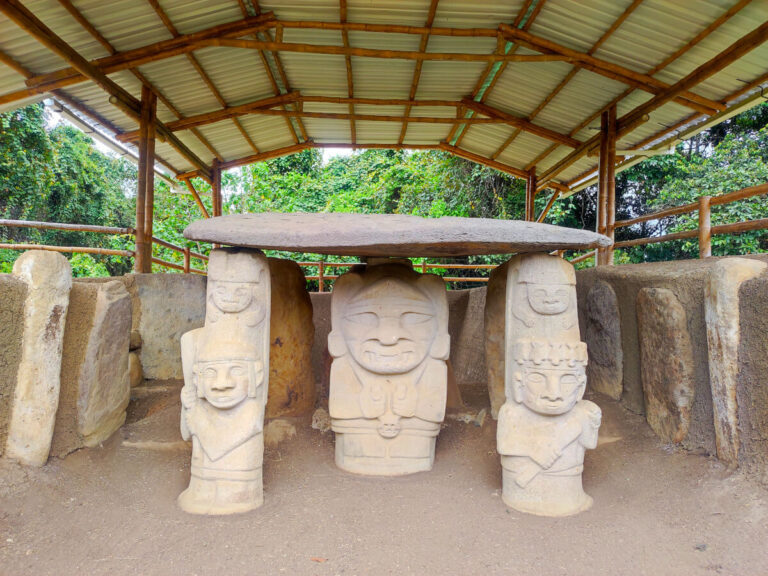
(388, 332)
(222, 382)
(552, 391)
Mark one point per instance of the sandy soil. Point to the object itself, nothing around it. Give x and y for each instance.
(112, 510)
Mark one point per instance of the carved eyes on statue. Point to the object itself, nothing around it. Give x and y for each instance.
(237, 371)
(210, 375)
(412, 318)
(364, 319)
(569, 380)
(536, 379)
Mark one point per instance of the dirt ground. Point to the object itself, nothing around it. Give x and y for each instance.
(112, 510)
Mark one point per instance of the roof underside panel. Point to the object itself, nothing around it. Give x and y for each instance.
(653, 38)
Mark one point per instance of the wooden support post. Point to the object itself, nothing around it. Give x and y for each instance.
(187, 257)
(606, 191)
(141, 264)
(530, 195)
(321, 276)
(424, 266)
(216, 187)
(149, 198)
(705, 227)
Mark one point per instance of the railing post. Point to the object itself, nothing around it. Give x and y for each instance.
(530, 195)
(320, 276)
(187, 256)
(705, 227)
(424, 267)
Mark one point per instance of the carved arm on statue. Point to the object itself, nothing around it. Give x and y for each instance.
(590, 424)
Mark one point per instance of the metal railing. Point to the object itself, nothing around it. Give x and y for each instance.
(188, 254)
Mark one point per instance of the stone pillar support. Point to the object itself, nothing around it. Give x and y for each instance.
(721, 312)
(36, 396)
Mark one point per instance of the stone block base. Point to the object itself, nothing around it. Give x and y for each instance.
(372, 455)
(215, 493)
(545, 495)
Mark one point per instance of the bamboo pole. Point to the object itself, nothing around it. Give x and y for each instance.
(320, 276)
(583, 257)
(76, 249)
(606, 195)
(186, 260)
(548, 207)
(196, 196)
(149, 211)
(530, 195)
(140, 262)
(378, 53)
(390, 28)
(66, 226)
(705, 227)
(216, 187)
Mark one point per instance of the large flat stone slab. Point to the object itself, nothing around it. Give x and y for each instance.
(389, 234)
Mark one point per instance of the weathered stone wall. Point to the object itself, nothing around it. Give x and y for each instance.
(686, 282)
(165, 306)
(13, 292)
(752, 390)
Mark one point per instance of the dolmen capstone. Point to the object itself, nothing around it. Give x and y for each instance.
(544, 426)
(389, 342)
(225, 386)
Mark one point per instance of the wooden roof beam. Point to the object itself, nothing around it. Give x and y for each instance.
(417, 68)
(348, 62)
(91, 29)
(565, 81)
(632, 119)
(525, 18)
(390, 28)
(118, 95)
(201, 72)
(611, 70)
(133, 58)
(378, 53)
(521, 123)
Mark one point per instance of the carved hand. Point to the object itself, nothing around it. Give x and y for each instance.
(546, 456)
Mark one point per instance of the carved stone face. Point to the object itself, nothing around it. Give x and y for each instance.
(551, 391)
(224, 383)
(391, 334)
(231, 297)
(549, 299)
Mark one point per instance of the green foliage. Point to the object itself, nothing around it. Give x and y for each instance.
(58, 176)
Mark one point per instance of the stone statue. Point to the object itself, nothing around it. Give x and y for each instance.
(225, 386)
(544, 426)
(389, 342)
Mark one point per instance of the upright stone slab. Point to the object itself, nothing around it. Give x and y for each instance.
(13, 293)
(495, 351)
(292, 333)
(667, 363)
(723, 339)
(36, 395)
(603, 337)
(226, 377)
(544, 426)
(389, 342)
(165, 306)
(95, 384)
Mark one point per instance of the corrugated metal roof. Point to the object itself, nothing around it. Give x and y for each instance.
(652, 32)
